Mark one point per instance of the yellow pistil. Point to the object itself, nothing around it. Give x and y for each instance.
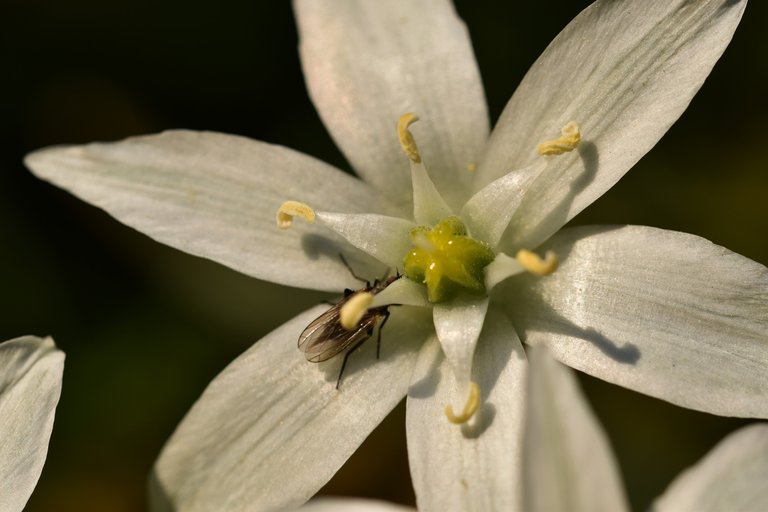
(534, 264)
(570, 138)
(406, 139)
(447, 260)
(289, 209)
(471, 167)
(470, 408)
(353, 310)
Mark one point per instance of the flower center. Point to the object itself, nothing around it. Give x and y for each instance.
(447, 260)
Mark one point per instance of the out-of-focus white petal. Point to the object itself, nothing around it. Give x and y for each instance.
(30, 386)
(624, 71)
(458, 325)
(474, 466)
(733, 477)
(567, 460)
(325, 504)
(272, 428)
(664, 313)
(216, 196)
(368, 63)
(385, 238)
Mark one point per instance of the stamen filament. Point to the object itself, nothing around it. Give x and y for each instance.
(534, 264)
(570, 138)
(406, 138)
(470, 408)
(353, 310)
(289, 209)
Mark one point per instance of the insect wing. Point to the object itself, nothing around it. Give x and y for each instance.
(325, 337)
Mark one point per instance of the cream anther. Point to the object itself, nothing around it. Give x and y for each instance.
(533, 263)
(470, 408)
(405, 137)
(570, 138)
(289, 209)
(353, 310)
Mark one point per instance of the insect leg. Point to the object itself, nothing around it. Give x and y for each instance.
(349, 267)
(381, 326)
(346, 356)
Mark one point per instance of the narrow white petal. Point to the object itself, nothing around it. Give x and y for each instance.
(429, 207)
(384, 238)
(501, 268)
(403, 291)
(30, 386)
(368, 63)
(733, 477)
(216, 195)
(489, 211)
(664, 313)
(567, 460)
(272, 428)
(324, 504)
(458, 325)
(624, 71)
(474, 466)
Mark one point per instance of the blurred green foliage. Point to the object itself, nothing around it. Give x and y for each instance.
(145, 327)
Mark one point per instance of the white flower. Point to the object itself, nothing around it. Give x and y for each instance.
(660, 312)
(568, 463)
(30, 385)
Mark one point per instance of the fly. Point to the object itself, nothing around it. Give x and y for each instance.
(325, 337)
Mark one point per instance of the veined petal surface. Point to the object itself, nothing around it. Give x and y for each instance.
(216, 195)
(30, 386)
(568, 463)
(664, 313)
(474, 466)
(733, 476)
(368, 63)
(272, 428)
(624, 71)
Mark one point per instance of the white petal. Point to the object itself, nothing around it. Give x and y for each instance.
(624, 71)
(272, 428)
(324, 504)
(216, 195)
(733, 476)
(567, 460)
(30, 385)
(664, 313)
(368, 63)
(429, 207)
(458, 325)
(474, 466)
(501, 268)
(404, 292)
(384, 238)
(489, 211)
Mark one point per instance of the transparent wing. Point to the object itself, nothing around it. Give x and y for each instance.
(325, 337)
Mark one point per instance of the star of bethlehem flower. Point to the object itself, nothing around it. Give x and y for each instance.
(30, 386)
(660, 312)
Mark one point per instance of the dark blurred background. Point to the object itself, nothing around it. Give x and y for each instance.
(146, 327)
